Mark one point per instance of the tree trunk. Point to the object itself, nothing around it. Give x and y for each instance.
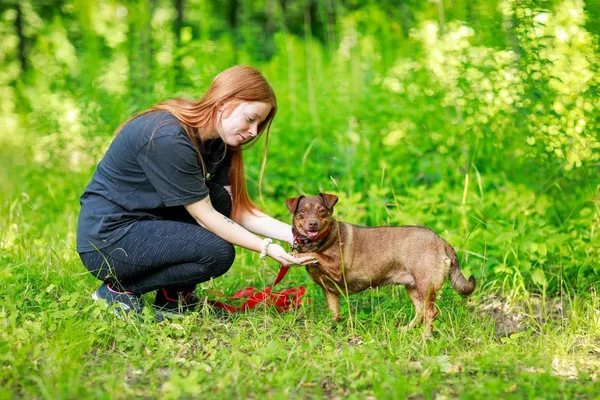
(141, 52)
(233, 21)
(178, 26)
(22, 38)
(331, 25)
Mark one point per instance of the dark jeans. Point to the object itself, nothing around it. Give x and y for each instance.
(172, 254)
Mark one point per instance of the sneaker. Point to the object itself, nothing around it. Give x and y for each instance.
(124, 301)
(166, 306)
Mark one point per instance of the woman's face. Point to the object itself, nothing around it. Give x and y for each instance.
(239, 124)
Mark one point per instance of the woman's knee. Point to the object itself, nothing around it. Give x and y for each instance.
(97, 265)
(224, 256)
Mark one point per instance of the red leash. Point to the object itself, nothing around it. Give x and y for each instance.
(282, 301)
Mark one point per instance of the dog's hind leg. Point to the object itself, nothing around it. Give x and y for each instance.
(425, 310)
(333, 302)
(430, 311)
(418, 303)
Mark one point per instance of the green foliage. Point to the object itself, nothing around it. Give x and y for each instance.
(559, 65)
(478, 120)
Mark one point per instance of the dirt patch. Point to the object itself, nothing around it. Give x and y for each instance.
(512, 316)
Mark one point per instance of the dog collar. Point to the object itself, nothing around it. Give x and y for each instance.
(303, 239)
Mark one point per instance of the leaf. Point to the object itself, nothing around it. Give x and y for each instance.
(543, 249)
(538, 277)
(507, 236)
(446, 365)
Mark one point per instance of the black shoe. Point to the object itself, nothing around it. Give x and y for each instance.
(175, 307)
(125, 302)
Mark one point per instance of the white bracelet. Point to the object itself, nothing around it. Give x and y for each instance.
(265, 247)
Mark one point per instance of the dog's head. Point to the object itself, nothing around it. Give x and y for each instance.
(312, 216)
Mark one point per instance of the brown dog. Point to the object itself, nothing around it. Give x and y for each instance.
(353, 258)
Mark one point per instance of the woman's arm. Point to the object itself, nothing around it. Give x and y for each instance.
(204, 213)
(264, 225)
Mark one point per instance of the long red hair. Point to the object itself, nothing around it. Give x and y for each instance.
(199, 119)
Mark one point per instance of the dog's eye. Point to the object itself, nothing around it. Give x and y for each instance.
(302, 212)
(322, 211)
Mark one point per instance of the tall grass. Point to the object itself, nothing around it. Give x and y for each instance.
(406, 125)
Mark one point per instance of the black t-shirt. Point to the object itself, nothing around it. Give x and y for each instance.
(150, 170)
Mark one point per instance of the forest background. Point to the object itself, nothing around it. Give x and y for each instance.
(479, 119)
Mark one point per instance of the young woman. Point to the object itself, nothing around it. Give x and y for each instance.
(168, 201)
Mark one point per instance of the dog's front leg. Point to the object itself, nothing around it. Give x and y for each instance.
(326, 264)
(333, 302)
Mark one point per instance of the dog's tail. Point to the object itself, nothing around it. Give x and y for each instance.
(457, 279)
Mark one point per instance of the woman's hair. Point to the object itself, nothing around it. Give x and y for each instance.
(199, 118)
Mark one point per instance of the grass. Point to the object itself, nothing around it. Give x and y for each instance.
(489, 177)
(56, 343)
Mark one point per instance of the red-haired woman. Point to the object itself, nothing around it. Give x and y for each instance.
(168, 201)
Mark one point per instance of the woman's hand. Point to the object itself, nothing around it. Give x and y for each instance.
(277, 253)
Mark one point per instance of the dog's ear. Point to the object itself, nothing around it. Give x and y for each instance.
(292, 203)
(330, 199)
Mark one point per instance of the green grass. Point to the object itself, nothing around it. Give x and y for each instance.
(56, 343)
(405, 129)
